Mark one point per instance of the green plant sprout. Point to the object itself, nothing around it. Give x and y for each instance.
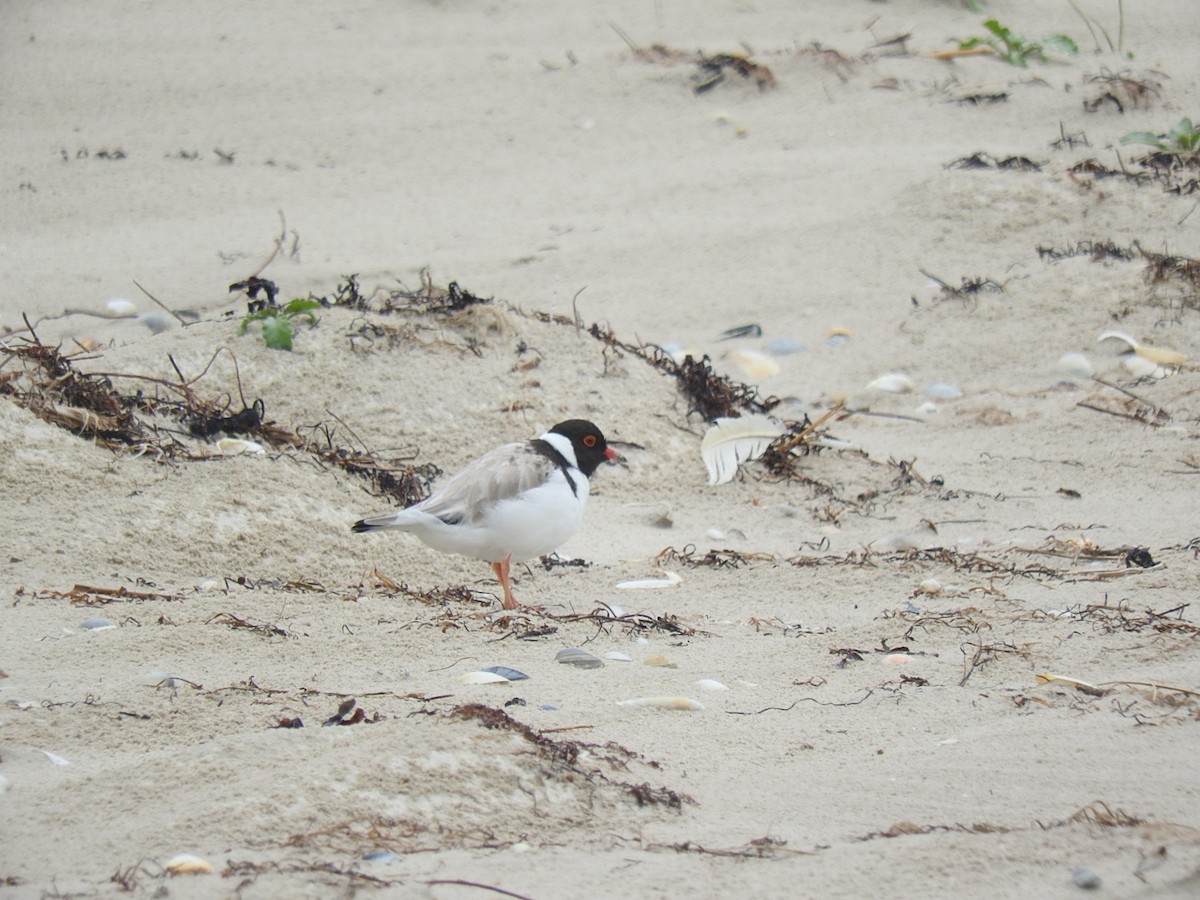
(1017, 50)
(277, 329)
(1182, 140)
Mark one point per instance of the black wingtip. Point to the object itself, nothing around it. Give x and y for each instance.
(360, 526)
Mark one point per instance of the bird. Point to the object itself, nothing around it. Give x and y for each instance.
(516, 502)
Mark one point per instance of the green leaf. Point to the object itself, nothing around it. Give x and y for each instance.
(1000, 31)
(1142, 137)
(1060, 43)
(301, 305)
(277, 333)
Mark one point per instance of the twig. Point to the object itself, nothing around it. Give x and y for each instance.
(476, 884)
(182, 321)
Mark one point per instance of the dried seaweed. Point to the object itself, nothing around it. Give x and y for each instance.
(566, 755)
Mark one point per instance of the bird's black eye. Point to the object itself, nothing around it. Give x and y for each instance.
(589, 440)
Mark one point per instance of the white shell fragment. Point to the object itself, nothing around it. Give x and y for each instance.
(733, 441)
(119, 306)
(96, 623)
(942, 390)
(892, 383)
(235, 446)
(618, 655)
(482, 678)
(187, 864)
(55, 758)
(581, 659)
(642, 584)
(930, 586)
(711, 684)
(681, 703)
(753, 364)
(660, 661)
(1076, 365)
(1157, 355)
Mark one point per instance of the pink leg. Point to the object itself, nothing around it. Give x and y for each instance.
(501, 570)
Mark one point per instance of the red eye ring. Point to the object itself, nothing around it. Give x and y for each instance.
(589, 440)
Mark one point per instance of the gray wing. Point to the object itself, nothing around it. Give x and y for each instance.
(498, 475)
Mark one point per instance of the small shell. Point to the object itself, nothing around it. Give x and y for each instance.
(941, 390)
(1140, 367)
(1076, 365)
(96, 623)
(683, 703)
(672, 580)
(711, 684)
(897, 659)
(481, 678)
(784, 346)
(753, 364)
(234, 446)
(119, 306)
(581, 659)
(928, 408)
(892, 383)
(930, 586)
(618, 655)
(187, 864)
(836, 337)
(506, 672)
(660, 661)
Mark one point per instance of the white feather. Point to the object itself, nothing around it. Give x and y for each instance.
(731, 442)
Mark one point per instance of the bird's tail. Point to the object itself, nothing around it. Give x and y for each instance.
(375, 523)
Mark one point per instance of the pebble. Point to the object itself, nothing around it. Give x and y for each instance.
(1085, 878)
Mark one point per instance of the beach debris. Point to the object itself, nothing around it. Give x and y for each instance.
(97, 623)
(665, 702)
(381, 856)
(1148, 360)
(753, 364)
(187, 864)
(930, 586)
(660, 660)
(671, 580)
(580, 659)
(928, 408)
(618, 655)
(711, 684)
(1085, 878)
(121, 308)
(350, 713)
(941, 390)
(741, 331)
(837, 337)
(505, 671)
(733, 441)
(483, 677)
(55, 758)
(237, 446)
(1076, 365)
(1083, 686)
(892, 383)
(784, 346)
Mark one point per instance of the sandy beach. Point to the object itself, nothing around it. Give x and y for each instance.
(939, 641)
